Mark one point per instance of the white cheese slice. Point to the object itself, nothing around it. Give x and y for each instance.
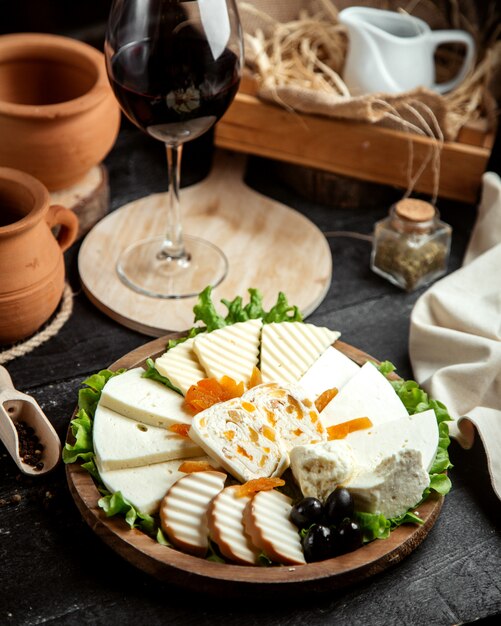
(237, 436)
(289, 349)
(319, 468)
(120, 442)
(183, 511)
(230, 351)
(267, 522)
(181, 366)
(226, 526)
(331, 369)
(372, 445)
(145, 486)
(367, 394)
(144, 400)
(393, 487)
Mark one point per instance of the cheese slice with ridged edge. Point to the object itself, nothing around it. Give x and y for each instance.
(266, 520)
(144, 486)
(181, 366)
(183, 511)
(237, 436)
(230, 351)
(289, 411)
(144, 400)
(120, 442)
(367, 394)
(226, 526)
(289, 349)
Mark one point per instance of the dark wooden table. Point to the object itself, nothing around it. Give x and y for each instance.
(54, 570)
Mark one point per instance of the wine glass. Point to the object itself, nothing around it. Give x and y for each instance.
(174, 66)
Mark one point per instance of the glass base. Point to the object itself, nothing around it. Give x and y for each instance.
(142, 268)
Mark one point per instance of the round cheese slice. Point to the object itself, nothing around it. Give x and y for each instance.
(266, 520)
(226, 526)
(183, 511)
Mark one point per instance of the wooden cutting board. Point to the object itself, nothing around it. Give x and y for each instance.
(268, 245)
(198, 574)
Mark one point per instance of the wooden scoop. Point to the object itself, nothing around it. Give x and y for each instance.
(21, 409)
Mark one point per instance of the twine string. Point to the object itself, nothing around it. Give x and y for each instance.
(51, 330)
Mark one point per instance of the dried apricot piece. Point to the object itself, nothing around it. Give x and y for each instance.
(255, 379)
(258, 484)
(340, 431)
(189, 467)
(209, 391)
(180, 429)
(325, 397)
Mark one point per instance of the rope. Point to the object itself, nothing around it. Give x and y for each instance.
(51, 330)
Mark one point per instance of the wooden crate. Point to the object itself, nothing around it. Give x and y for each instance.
(353, 149)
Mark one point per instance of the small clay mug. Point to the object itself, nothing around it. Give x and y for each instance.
(31, 258)
(58, 115)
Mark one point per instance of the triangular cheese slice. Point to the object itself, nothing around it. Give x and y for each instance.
(367, 394)
(120, 442)
(289, 349)
(230, 351)
(144, 400)
(181, 366)
(145, 486)
(331, 369)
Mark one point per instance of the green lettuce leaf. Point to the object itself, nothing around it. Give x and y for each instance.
(83, 449)
(205, 311)
(116, 504)
(373, 526)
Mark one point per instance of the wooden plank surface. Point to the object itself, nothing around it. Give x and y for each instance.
(226, 580)
(352, 149)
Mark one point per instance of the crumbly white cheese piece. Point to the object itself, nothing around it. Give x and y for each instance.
(230, 351)
(289, 349)
(145, 486)
(236, 435)
(266, 520)
(289, 411)
(144, 400)
(120, 442)
(226, 526)
(183, 511)
(367, 394)
(372, 445)
(393, 487)
(331, 369)
(181, 366)
(319, 469)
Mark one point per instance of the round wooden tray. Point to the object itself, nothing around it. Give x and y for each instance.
(198, 574)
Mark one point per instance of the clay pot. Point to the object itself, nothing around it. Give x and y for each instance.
(31, 258)
(58, 114)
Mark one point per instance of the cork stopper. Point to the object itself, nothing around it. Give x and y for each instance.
(415, 210)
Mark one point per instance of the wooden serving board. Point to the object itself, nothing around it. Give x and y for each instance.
(172, 566)
(268, 245)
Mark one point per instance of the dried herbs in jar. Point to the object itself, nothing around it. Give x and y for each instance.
(411, 246)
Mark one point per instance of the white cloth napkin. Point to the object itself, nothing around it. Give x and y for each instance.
(455, 336)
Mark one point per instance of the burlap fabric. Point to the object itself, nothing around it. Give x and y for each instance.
(451, 111)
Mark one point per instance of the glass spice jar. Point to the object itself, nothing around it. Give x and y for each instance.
(411, 246)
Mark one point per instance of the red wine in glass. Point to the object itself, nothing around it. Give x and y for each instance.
(174, 66)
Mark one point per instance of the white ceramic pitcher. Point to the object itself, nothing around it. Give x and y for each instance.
(394, 52)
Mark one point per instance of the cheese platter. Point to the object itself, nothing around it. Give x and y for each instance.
(197, 512)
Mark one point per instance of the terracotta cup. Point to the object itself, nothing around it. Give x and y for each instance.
(31, 258)
(58, 114)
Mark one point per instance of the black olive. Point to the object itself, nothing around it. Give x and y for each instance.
(306, 512)
(348, 537)
(318, 543)
(338, 506)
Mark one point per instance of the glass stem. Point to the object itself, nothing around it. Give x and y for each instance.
(173, 243)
